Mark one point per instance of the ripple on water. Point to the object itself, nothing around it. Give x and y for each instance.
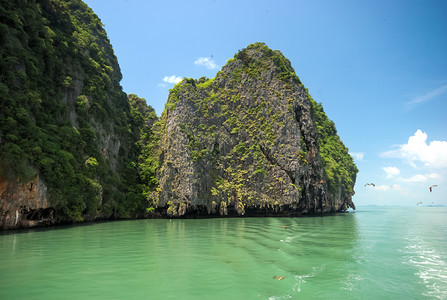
(354, 256)
(431, 266)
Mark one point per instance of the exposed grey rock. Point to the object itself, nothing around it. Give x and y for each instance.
(244, 143)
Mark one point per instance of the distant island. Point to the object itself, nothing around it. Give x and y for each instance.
(74, 147)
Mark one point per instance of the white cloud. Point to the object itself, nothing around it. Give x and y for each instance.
(391, 171)
(172, 79)
(428, 96)
(205, 61)
(421, 178)
(357, 155)
(386, 188)
(417, 150)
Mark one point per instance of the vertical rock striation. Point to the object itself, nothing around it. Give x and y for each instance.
(247, 143)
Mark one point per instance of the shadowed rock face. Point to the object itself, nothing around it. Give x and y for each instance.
(24, 205)
(244, 143)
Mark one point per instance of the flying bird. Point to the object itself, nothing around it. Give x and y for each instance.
(431, 187)
(419, 203)
(370, 184)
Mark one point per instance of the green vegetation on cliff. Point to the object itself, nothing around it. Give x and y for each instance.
(63, 114)
(338, 164)
(250, 138)
(145, 117)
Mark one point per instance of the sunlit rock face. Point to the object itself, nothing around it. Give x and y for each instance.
(245, 143)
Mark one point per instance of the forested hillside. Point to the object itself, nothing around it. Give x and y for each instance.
(63, 115)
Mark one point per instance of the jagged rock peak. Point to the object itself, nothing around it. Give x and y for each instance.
(246, 143)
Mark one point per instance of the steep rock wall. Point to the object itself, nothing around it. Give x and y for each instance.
(63, 115)
(243, 143)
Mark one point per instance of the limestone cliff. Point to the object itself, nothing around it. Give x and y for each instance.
(247, 143)
(64, 118)
(74, 147)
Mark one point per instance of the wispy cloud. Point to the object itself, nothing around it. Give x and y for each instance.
(428, 96)
(357, 155)
(170, 80)
(391, 171)
(421, 178)
(417, 150)
(386, 188)
(207, 62)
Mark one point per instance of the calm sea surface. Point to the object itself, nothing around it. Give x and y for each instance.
(374, 253)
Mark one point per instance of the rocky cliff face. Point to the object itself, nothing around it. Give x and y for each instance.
(24, 205)
(64, 118)
(73, 147)
(245, 143)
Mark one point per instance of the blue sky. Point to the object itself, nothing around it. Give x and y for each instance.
(378, 67)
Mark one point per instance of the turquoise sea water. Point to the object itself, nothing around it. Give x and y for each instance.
(374, 253)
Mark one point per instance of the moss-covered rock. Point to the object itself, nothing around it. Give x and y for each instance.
(253, 140)
(63, 115)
